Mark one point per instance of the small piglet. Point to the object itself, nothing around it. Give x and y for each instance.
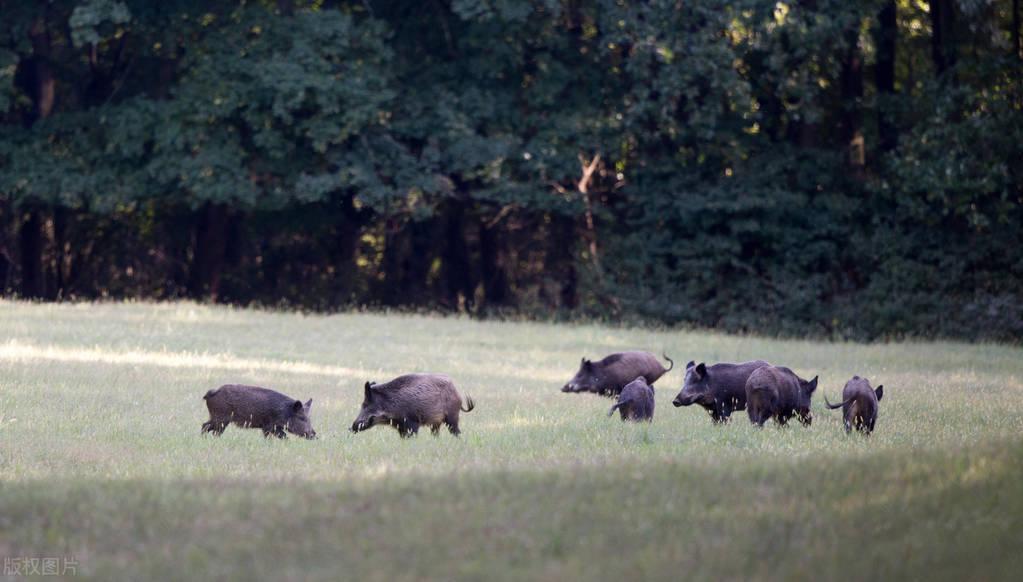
(412, 400)
(636, 402)
(859, 405)
(254, 407)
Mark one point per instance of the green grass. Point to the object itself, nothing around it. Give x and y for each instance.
(101, 456)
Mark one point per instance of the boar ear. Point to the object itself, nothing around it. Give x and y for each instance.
(309, 404)
(701, 369)
(690, 364)
(369, 393)
(297, 406)
(880, 392)
(811, 385)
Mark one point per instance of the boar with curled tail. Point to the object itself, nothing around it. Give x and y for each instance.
(254, 407)
(776, 391)
(411, 401)
(636, 402)
(608, 376)
(859, 405)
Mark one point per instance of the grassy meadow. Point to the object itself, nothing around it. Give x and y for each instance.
(101, 457)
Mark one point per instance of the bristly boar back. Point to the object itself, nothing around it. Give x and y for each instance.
(636, 402)
(609, 376)
(254, 407)
(411, 401)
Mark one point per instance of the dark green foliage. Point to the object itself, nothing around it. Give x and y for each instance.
(747, 165)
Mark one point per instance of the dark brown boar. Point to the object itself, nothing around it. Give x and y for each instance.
(409, 401)
(720, 389)
(608, 376)
(859, 405)
(776, 391)
(636, 401)
(254, 407)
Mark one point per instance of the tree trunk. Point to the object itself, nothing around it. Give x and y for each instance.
(1017, 47)
(389, 290)
(852, 96)
(61, 258)
(561, 260)
(884, 74)
(942, 40)
(30, 243)
(209, 252)
(6, 260)
(348, 231)
(803, 132)
(495, 279)
(45, 89)
(459, 285)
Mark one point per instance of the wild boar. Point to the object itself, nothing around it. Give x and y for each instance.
(409, 401)
(859, 405)
(254, 407)
(775, 391)
(636, 402)
(720, 389)
(608, 376)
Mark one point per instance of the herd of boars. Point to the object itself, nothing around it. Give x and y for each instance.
(409, 402)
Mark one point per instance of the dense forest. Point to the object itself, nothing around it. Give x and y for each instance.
(842, 168)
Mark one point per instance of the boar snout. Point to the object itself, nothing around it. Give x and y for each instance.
(361, 425)
(684, 400)
(567, 388)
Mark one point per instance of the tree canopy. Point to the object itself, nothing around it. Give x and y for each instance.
(844, 168)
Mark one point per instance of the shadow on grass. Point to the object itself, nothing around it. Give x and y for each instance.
(941, 515)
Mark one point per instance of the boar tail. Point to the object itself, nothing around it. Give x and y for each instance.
(616, 406)
(469, 404)
(670, 361)
(839, 405)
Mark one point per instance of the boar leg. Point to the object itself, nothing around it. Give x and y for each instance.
(407, 428)
(215, 427)
(756, 415)
(275, 431)
(453, 427)
(724, 411)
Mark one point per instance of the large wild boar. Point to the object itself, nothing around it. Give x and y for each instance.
(254, 407)
(608, 376)
(859, 404)
(636, 402)
(776, 391)
(409, 401)
(720, 389)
